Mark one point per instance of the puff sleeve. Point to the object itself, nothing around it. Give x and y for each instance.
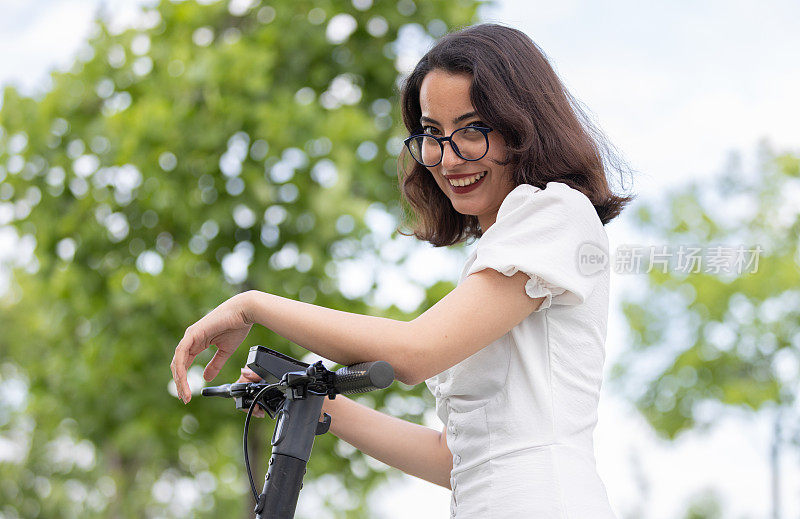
(540, 232)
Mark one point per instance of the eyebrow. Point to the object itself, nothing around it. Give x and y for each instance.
(457, 120)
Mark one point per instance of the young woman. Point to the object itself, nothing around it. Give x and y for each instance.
(514, 354)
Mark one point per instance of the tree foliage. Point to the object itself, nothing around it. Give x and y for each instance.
(211, 149)
(705, 340)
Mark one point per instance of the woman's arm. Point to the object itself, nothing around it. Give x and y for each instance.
(343, 337)
(483, 308)
(478, 311)
(416, 450)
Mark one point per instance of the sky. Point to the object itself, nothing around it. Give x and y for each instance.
(676, 87)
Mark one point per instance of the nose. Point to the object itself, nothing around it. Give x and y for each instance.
(450, 158)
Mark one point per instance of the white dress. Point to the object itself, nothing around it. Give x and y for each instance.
(520, 413)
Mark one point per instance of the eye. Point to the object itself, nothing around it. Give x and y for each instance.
(471, 129)
(429, 129)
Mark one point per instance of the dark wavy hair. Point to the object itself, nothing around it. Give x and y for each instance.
(514, 90)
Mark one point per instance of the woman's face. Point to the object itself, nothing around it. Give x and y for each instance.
(446, 106)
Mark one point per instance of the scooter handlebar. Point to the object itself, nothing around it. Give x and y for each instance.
(363, 377)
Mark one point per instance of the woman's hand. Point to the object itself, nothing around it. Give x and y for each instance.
(226, 326)
(248, 375)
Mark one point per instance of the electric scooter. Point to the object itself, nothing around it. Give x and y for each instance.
(292, 393)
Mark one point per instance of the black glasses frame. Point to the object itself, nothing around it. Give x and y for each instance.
(441, 140)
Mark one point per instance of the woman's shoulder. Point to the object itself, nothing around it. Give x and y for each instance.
(555, 196)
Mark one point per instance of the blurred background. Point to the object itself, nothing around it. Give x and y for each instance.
(158, 157)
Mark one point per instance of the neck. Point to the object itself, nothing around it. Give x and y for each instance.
(486, 221)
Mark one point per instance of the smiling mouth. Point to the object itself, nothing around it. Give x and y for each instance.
(465, 181)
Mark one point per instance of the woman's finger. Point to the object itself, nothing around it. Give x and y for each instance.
(247, 378)
(213, 368)
(178, 372)
(185, 353)
(175, 377)
(195, 345)
(250, 375)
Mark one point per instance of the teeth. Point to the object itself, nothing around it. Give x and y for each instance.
(467, 180)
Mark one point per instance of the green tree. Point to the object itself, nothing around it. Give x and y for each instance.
(209, 150)
(703, 339)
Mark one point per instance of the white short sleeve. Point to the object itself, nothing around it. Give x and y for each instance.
(540, 232)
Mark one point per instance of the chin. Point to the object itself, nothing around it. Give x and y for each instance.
(467, 211)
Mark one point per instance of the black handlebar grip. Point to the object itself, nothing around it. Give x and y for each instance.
(223, 391)
(363, 377)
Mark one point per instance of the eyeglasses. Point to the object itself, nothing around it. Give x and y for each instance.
(469, 143)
